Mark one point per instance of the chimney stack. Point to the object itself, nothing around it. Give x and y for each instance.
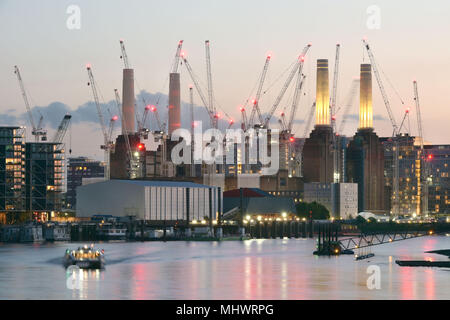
(174, 103)
(365, 98)
(322, 94)
(128, 125)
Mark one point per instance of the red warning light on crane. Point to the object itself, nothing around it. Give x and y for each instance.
(430, 156)
(153, 108)
(291, 139)
(140, 146)
(114, 118)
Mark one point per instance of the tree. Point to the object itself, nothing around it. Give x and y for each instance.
(313, 209)
(360, 220)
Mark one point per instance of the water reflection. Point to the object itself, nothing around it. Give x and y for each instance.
(254, 269)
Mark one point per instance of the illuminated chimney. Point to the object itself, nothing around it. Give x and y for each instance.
(365, 98)
(174, 102)
(322, 94)
(128, 126)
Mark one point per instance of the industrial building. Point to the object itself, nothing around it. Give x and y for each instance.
(79, 169)
(365, 154)
(255, 202)
(341, 199)
(149, 200)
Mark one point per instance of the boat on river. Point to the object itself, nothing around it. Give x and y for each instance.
(85, 258)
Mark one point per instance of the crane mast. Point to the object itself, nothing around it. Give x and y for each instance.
(191, 109)
(36, 131)
(210, 87)
(336, 175)
(422, 189)
(256, 108)
(334, 91)
(298, 64)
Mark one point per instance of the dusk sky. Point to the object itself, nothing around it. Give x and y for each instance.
(411, 43)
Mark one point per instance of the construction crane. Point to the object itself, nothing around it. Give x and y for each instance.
(295, 101)
(381, 87)
(192, 127)
(124, 56)
(211, 114)
(395, 153)
(348, 105)
(37, 131)
(143, 132)
(132, 163)
(336, 175)
(308, 122)
(256, 109)
(108, 144)
(244, 124)
(62, 129)
(282, 121)
(176, 60)
(298, 66)
(211, 106)
(334, 90)
(422, 188)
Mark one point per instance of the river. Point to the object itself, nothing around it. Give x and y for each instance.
(252, 269)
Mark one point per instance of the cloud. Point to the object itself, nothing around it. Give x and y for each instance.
(87, 113)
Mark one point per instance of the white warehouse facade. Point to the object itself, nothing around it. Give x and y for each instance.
(341, 199)
(149, 200)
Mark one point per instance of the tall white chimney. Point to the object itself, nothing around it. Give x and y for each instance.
(128, 125)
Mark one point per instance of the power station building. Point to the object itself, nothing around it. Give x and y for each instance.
(150, 200)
